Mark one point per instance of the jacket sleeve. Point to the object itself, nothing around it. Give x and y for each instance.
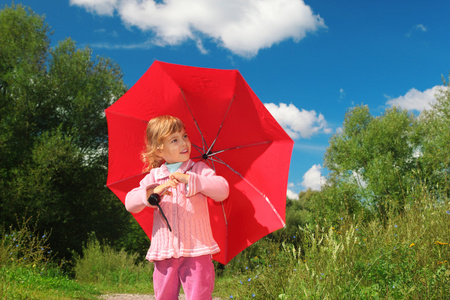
(203, 179)
(136, 199)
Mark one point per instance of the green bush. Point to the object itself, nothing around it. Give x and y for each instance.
(103, 265)
(23, 246)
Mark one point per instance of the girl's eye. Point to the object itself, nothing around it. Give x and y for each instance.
(185, 136)
(174, 141)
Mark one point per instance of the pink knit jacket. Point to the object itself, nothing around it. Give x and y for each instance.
(186, 211)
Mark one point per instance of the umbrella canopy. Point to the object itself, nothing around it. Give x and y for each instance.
(229, 128)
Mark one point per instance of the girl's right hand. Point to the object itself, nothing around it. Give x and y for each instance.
(162, 189)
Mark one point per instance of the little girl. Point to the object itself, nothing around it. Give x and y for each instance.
(181, 254)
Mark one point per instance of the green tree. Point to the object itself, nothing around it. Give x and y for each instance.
(338, 200)
(379, 151)
(298, 214)
(434, 139)
(53, 133)
(23, 52)
(298, 211)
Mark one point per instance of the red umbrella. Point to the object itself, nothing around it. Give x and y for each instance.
(230, 129)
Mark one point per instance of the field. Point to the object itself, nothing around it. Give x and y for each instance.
(407, 258)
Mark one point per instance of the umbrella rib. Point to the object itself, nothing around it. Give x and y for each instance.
(195, 120)
(254, 187)
(199, 149)
(239, 147)
(127, 178)
(221, 124)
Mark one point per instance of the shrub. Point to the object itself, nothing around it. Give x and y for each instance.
(23, 246)
(101, 264)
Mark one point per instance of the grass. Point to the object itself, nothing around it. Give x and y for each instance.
(25, 282)
(406, 258)
(113, 271)
(27, 270)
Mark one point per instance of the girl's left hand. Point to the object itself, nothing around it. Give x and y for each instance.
(180, 177)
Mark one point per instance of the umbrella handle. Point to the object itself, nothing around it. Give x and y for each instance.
(154, 200)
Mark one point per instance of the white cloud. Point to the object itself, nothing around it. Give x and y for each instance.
(415, 99)
(293, 190)
(108, 46)
(298, 123)
(291, 194)
(101, 7)
(341, 94)
(243, 27)
(313, 178)
(418, 27)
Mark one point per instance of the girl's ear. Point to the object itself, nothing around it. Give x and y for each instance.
(159, 150)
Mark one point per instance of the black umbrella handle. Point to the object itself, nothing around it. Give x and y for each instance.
(154, 200)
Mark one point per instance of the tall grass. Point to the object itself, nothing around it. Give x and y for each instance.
(406, 259)
(112, 270)
(27, 271)
(23, 246)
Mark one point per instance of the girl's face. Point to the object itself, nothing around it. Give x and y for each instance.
(176, 148)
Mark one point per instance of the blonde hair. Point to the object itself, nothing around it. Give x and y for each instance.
(157, 130)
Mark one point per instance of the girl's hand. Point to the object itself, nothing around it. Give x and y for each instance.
(180, 177)
(163, 189)
(158, 190)
(174, 180)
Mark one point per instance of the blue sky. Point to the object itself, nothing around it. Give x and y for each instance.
(308, 61)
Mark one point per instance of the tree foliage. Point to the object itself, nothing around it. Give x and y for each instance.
(434, 137)
(53, 133)
(391, 156)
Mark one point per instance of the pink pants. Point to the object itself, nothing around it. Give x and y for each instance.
(196, 274)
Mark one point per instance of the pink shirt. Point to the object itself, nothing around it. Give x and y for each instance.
(186, 210)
